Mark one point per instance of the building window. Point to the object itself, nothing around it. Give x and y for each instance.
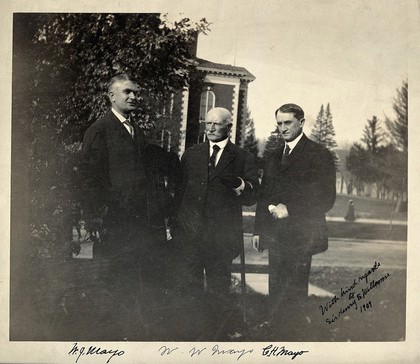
(207, 102)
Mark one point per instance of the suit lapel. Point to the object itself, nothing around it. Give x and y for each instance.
(297, 152)
(201, 158)
(138, 138)
(119, 128)
(226, 158)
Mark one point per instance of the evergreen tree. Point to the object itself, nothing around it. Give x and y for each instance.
(398, 128)
(329, 132)
(398, 133)
(373, 137)
(316, 133)
(323, 131)
(273, 143)
(250, 142)
(373, 134)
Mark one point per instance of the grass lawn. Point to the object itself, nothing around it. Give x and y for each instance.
(383, 320)
(351, 230)
(366, 231)
(66, 303)
(64, 300)
(365, 207)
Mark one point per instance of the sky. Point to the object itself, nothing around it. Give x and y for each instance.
(350, 54)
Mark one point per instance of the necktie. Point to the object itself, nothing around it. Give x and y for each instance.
(285, 155)
(212, 162)
(130, 127)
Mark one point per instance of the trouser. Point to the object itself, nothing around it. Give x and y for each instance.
(133, 261)
(203, 279)
(288, 277)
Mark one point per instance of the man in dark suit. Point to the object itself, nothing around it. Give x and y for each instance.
(298, 188)
(123, 183)
(218, 178)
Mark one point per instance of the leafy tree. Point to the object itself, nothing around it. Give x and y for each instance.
(79, 53)
(380, 163)
(357, 163)
(389, 164)
(62, 63)
(251, 142)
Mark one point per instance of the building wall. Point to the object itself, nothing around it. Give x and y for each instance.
(183, 106)
(224, 95)
(224, 98)
(193, 124)
(240, 123)
(230, 93)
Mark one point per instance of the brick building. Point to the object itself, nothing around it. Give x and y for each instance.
(223, 86)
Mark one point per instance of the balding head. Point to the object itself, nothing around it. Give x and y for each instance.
(218, 124)
(219, 113)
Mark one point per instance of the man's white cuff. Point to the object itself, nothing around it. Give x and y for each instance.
(238, 190)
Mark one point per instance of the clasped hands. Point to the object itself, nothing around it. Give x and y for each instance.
(278, 212)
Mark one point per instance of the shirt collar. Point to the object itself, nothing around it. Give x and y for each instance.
(120, 117)
(221, 144)
(294, 142)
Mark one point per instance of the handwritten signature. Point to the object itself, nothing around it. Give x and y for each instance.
(352, 295)
(93, 350)
(272, 350)
(215, 350)
(268, 351)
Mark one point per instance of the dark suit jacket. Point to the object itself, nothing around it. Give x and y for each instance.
(202, 200)
(121, 173)
(306, 185)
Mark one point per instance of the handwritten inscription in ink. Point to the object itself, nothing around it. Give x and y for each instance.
(95, 351)
(353, 296)
(215, 350)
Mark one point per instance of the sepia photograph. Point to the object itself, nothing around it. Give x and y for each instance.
(222, 181)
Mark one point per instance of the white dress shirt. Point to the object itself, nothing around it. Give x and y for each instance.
(222, 144)
(293, 143)
(122, 118)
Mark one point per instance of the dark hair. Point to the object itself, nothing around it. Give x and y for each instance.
(296, 110)
(117, 78)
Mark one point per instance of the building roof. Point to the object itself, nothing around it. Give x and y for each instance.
(225, 69)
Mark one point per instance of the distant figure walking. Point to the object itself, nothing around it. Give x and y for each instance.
(350, 216)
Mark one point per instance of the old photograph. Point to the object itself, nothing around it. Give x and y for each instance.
(230, 179)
